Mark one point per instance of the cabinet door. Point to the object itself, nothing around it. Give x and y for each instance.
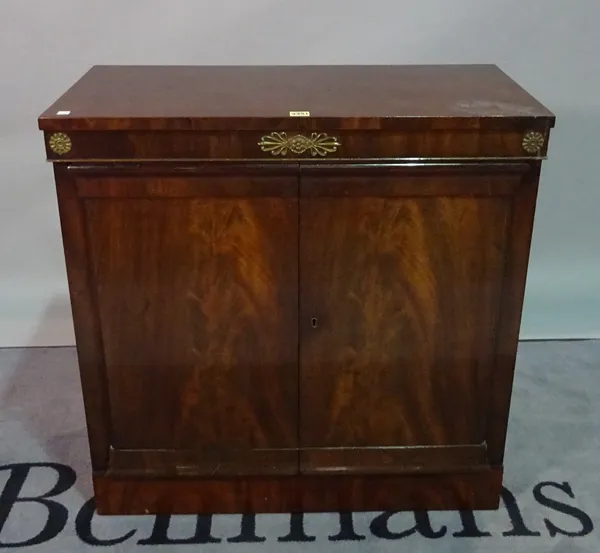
(196, 285)
(402, 273)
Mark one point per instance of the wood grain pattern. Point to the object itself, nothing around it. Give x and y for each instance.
(174, 186)
(261, 97)
(142, 146)
(406, 293)
(393, 180)
(393, 460)
(262, 334)
(84, 307)
(171, 463)
(509, 318)
(198, 308)
(461, 490)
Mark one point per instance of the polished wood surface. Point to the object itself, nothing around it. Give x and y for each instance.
(88, 336)
(375, 146)
(460, 490)
(261, 97)
(297, 333)
(509, 316)
(412, 459)
(398, 313)
(197, 303)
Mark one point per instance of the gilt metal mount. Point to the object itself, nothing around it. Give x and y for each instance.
(280, 144)
(60, 143)
(533, 142)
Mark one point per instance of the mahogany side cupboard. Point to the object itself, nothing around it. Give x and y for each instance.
(296, 288)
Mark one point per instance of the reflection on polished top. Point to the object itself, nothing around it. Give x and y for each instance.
(198, 97)
(295, 312)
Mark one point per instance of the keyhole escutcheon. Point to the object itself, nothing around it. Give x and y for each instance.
(314, 322)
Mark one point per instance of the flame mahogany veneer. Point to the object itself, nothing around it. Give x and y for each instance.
(278, 312)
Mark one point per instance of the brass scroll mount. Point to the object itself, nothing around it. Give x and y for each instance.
(279, 144)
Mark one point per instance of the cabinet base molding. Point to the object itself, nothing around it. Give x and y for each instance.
(478, 490)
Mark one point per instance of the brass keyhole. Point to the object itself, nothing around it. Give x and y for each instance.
(313, 322)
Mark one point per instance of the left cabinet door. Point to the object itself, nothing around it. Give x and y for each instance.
(193, 284)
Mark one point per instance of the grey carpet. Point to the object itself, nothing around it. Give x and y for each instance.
(551, 502)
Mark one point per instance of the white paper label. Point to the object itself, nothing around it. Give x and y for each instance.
(299, 113)
(63, 112)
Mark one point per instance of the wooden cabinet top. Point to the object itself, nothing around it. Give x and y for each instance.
(419, 97)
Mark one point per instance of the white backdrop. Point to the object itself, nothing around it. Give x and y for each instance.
(551, 47)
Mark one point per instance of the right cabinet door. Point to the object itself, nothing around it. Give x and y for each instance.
(403, 275)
